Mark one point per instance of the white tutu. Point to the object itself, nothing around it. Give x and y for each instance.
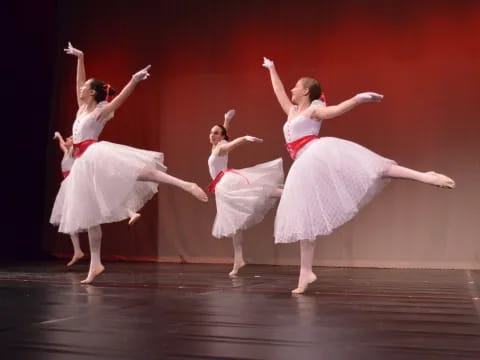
(102, 186)
(329, 181)
(244, 197)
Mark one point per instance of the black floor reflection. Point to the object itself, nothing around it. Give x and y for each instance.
(158, 311)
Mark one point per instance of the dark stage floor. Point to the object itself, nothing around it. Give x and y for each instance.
(159, 311)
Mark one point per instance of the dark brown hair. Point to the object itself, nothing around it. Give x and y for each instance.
(100, 88)
(224, 131)
(313, 86)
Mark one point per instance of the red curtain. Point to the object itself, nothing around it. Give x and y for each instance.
(206, 58)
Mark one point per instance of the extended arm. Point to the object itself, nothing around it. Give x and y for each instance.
(228, 118)
(125, 93)
(226, 148)
(329, 112)
(61, 142)
(278, 87)
(81, 77)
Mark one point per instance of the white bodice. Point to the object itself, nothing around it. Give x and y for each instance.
(67, 161)
(217, 163)
(300, 125)
(86, 126)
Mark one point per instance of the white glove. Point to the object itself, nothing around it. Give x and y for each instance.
(229, 114)
(253, 139)
(142, 74)
(56, 135)
(368, 97)
(267, 63)
(70, 50)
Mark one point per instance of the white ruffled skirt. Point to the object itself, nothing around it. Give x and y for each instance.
(102, 186)
(328, 183)
(244, 196)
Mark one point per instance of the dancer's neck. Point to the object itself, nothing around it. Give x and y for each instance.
(303, 105)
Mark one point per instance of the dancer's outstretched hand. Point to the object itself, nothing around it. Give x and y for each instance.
(142, 74)
(267, 63)
(229, 114)
(56, 135)
(70, 50)
(368, 97)
(253, 139)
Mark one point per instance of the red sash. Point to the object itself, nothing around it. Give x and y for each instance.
(294, 147)
(65, 173)
(211, 187)
(81, 147)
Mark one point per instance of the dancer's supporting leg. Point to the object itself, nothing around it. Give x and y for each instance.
(96, 267)
(277, 192)
(238, 261)
(134, 216)
(307, 251)
(77, 251)
(429, 177)
(161, 177)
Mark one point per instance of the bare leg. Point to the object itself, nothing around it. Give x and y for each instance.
(77, 251)
(277, 192)
(161, 177)
(134, 216)
(238, 261)
(429, 177)
(307, 251)
(96, 267)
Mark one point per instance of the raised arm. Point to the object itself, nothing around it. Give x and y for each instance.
(125, 93)
(226, 148)
(227, 118)
(81, 77)
(278, 87)
(61, 142)
(329, 112)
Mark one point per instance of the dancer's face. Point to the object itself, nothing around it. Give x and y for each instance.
(298, 91)
(86, 91)
(216, 135)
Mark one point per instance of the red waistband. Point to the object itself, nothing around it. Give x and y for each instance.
(65, 173)
(294, 147)
(81, 147)
(213, 184)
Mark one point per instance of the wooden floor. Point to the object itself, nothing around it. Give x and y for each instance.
(172, 311)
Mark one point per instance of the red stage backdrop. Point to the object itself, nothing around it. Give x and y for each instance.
(206, 58)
